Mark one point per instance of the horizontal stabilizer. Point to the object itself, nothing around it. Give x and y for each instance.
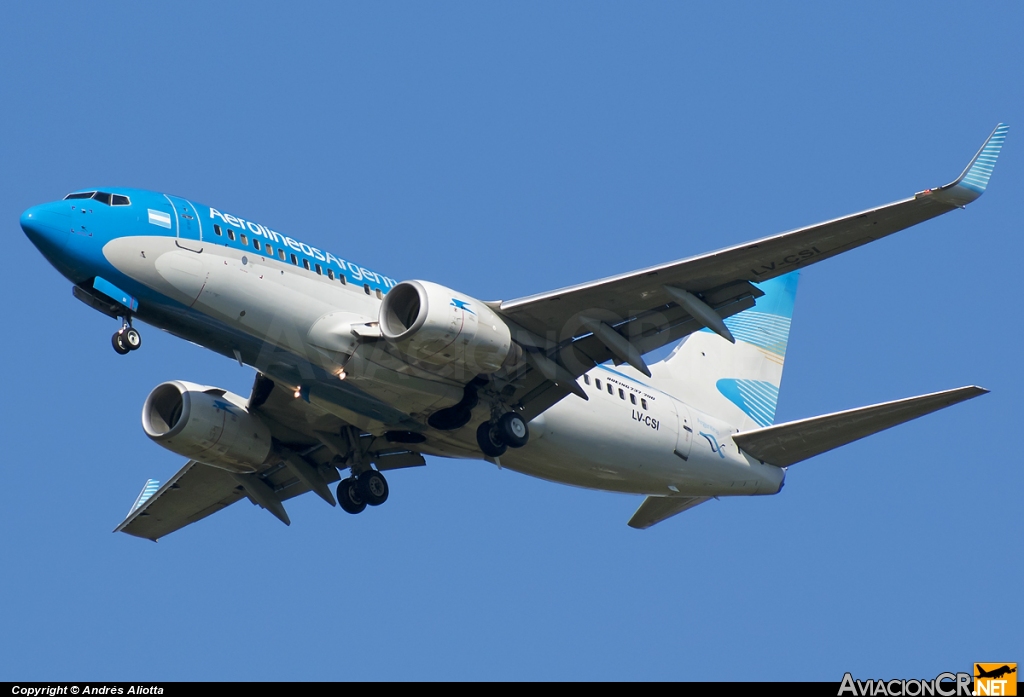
(786, 444)
(655, 509)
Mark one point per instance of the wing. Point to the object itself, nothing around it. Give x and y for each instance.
(195, 492)
(307, 456)
(566, 332)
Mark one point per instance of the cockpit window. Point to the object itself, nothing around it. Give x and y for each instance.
(119, 200)
(84, 194)
(101, 197)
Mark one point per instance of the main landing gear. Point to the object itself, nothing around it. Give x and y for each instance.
(509, 431)
(368, 489)
(127, 338)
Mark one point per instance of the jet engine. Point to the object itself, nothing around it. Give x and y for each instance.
(206, 424)
(435, 325)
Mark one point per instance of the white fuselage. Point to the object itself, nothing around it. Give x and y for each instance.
(630, 436)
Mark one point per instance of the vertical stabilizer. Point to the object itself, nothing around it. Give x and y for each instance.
(736, 382)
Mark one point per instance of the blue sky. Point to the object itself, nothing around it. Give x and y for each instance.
(502, 150)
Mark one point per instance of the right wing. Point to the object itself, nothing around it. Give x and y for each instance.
(644, 309)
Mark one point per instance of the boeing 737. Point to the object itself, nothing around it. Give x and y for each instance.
(357, 374)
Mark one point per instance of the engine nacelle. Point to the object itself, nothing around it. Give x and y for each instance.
(435, 325)
(206, 424)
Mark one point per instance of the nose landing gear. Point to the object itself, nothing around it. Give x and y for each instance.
(509, 431)
(127, 338)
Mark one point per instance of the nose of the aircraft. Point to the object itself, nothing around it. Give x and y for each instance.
(47, 227)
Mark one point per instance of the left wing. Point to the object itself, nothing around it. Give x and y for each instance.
(195, 492)
(306, 458)
(566, 332)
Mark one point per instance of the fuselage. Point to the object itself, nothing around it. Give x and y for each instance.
(287, 308)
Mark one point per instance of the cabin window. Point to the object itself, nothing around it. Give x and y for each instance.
(295, 260)
(305, 264)
(256, 244)
(643, 403)
(216, 229)
(586, 379)
(231, 234)
(611, 390)
(598, 383)
(319, 271)
(632, 398)
(341, 277)
(622, 394)
(366, 288)
(119, 200)
(84, 194)
(330, 274)
(245, 239)
(380, 295)
(280, 254)
(270, 251)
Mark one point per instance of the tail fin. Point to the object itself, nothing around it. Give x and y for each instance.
(737, 382)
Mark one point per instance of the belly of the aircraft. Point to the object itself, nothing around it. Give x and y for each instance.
(590, 444)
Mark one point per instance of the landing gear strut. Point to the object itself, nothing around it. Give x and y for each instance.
(509, 431)
(127, 338)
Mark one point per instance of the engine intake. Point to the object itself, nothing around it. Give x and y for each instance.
(435, 325)
(206, 424)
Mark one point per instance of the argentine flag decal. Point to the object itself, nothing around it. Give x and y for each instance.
(160, 218)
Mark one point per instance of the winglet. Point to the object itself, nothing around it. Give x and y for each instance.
(974, 180)
(147, 491)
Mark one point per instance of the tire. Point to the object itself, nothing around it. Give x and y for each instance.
(118, 342)
(373, 488)
(349, 498)
(489, 440)
(132, 339)
(513, 430)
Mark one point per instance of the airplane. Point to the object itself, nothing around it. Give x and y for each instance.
(996, 672)
(358, 374)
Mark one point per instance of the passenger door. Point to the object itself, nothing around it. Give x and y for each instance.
(684, 437)
(188, 225)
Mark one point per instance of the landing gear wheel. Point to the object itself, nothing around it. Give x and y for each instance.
(513, 430)
(120, 345)
(373, 487)
(131, 338)
(349, 497)
(489, 440)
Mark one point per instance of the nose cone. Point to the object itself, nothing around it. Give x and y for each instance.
(47, 227)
